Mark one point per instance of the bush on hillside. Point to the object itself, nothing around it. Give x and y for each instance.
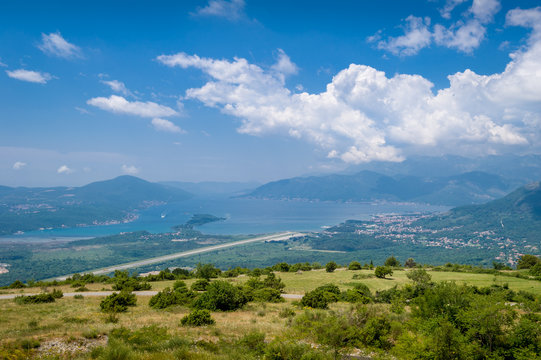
(382, 271)
(267, 295)
(200, 285)
(168, 297)
(118, 302)
(221, 295)
(392, 262)
(197, 318)
(34, 299)
(331, 266)
(321, 297)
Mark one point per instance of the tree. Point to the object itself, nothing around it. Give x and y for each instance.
(282, 267)
(17, 284)
(419, 276)
(355, 265)
(527, 261)
(410, 263)
(206, 271)
(331, 266)
(382, 271)
(536, 269)
(392, 262)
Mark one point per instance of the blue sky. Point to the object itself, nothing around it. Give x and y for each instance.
(243, 90)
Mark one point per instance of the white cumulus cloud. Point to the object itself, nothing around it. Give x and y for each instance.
(29, 75)
(118, 87)
(55, 45)
(129, 169)
(64, 169)
(366, 115)
(19, 165)
(416, 36)
(464, 35)
(166, 125)
(118, 104)
(232, 10)
(450, 5)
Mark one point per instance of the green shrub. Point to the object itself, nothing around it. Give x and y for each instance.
(221, 295)
(355, 265)
(118, 302)
(288, 350)
(207, 271)
(78, 297)
(527, 261)
(392, 262)
(254, 342)
(115, 350)
(168, 297)
(130, 284)
(316, 299)
(320, 297)
(29, 344)
(382, 271)
(34, 299)
(148, 338)
(331, 266)
(419, 276)
(268, 295)
(273, 282)
(199, 317)
(354, 296)
(180, 285)
(200, 285)
(286, 313)
(535, 270)
(17, 284)
(57, 293)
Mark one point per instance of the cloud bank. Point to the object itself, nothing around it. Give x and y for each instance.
(55, 45)
(166, 125)
(232, 10)
(119, 105)
(365, 115)
(464, 35)
(29, 76)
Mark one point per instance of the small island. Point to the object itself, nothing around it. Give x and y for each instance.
(198, 220)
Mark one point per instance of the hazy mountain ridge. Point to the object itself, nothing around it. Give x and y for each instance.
(521, 169)
(467, 188)
(213, 187)
(115, 200)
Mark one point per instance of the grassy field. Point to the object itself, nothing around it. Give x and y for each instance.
(299, 283)
(78, 325)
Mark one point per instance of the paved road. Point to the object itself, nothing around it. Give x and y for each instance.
(106, 293)
(161, 259)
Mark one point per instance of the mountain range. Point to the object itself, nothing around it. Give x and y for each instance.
(116, 200)
(467, 188)
(516, 216)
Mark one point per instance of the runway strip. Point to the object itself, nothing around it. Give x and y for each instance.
(164, 258)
